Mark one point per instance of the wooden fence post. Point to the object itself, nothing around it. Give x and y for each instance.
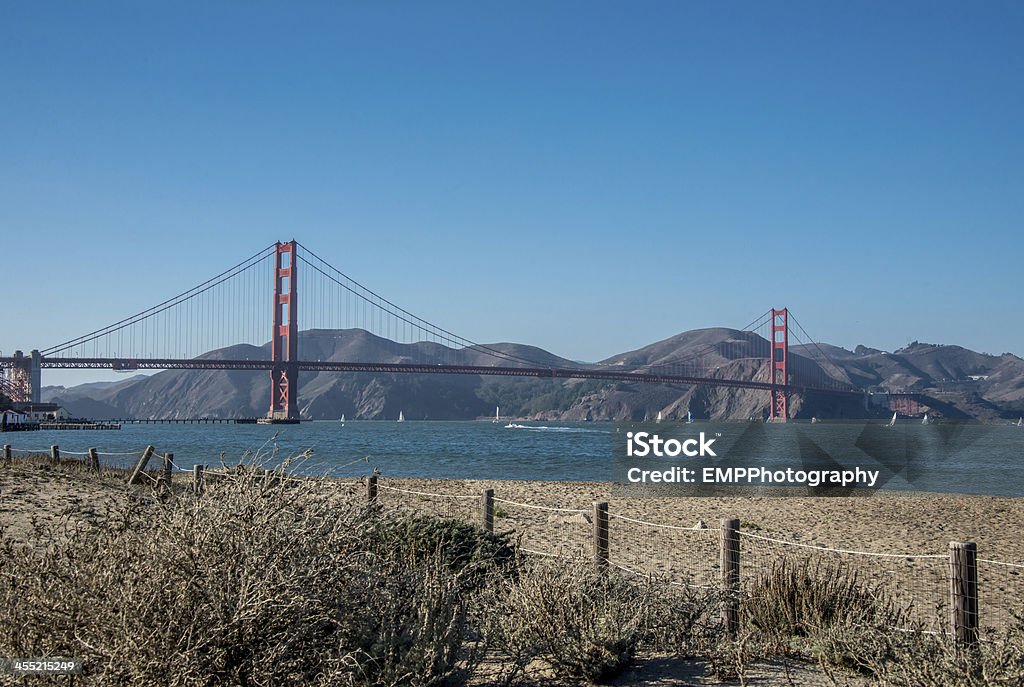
(730, 567)
(963, 589)
(601, 535)
(487, 511)
(141, 465)
(8, 456)
(55, 454)
(94, 460)
(371, 490)
(197, 478)
(164, 481)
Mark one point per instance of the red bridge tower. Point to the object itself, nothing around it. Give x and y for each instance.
(284, 376)
(779, 371)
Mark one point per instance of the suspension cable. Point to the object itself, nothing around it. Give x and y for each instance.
(165, 305)
(404, 315)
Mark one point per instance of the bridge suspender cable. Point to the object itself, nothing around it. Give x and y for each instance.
(820, 350)
(169, 303)
(403, 314)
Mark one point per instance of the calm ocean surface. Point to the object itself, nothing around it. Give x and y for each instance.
(983, 459)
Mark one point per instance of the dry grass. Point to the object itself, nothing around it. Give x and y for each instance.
(929, 661)
(266, 581)
(827, 613)
(803, 597)
(254, 582)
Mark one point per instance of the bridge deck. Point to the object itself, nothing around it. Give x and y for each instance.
(123, 365)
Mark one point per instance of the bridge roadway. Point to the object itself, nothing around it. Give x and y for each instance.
(127, 365)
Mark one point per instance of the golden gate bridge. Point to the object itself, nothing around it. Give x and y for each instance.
(221, 324)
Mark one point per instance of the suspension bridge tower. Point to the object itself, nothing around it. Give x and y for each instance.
(779, 409)
(284, 375)
(21, 384)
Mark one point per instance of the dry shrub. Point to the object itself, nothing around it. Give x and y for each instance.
(580, 622)
(731, 658)
(681, 620)
(799, 598)
(923, 660)
(462, 548)
(255, 582)
(411, 629)
(822, 610)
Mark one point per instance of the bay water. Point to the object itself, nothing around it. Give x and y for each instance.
(986, 459)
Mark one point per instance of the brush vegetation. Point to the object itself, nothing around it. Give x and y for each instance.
(260, 580)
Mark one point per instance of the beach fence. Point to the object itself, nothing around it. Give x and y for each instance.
(1000, 592)
(143, 466)
(953, 592)
(146, 465)
(92, 458)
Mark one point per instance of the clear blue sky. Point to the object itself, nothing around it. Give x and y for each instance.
(584, 176)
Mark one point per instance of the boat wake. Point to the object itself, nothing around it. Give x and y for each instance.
(545, 428)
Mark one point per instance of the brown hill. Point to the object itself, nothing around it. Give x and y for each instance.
(950, 379)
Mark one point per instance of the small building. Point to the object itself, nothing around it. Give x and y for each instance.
(13, 418)
(42, 412)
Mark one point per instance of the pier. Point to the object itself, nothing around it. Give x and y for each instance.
(78, 425)
(187, 421)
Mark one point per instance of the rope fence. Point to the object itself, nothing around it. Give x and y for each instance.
(686, 556)
(1000, 593)
(99, 461)
(954, 593)
(917, 583)
(454, 506)
(935, 593)
(556, 531)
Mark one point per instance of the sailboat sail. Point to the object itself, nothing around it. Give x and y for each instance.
(925, 420)
(689, 417)
(497, 413)
(401, 416)
(892, 422)
(659, 417)
(1020, 422)
(342, 417)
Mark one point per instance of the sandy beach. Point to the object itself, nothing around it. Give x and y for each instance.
(897, 540)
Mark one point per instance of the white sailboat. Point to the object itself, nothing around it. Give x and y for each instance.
(658, 419)
(342, 420)
(497, 413)
(925, 420)
(892, 422)
(401, 416)
(689, 417)
(1020, 422)
(646, 417)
